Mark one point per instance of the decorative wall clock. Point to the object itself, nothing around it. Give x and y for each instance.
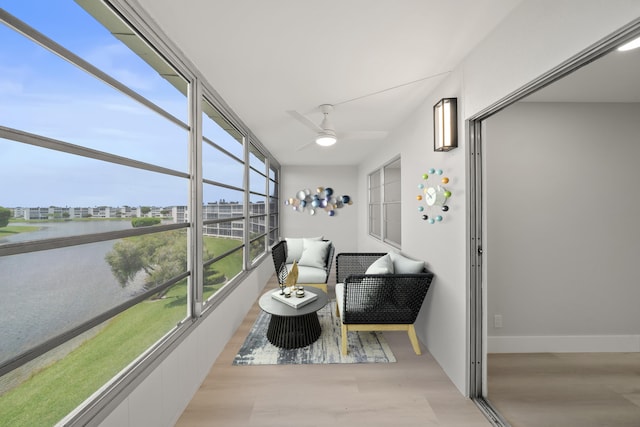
(435, 196)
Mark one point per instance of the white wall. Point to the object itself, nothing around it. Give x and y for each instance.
(341, 228)
(563, 238)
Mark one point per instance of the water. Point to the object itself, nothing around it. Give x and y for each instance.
(48, 230)
(43, 294)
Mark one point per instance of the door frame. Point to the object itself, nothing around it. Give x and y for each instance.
(477, 374)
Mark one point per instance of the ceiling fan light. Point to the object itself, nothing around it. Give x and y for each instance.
(326, 138)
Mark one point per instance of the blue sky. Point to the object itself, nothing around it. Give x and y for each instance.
(43, 94)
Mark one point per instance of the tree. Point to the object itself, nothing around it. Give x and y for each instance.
(160, 256)
(257, 246)
(5, 214)
(145, 210)
(125, 260)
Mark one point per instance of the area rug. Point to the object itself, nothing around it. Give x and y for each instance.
(364, 347)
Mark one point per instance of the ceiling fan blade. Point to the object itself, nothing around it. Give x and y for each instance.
(308, 146)
(363, 135)
(304, 120)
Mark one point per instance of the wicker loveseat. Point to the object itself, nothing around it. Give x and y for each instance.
(380, 292)
(314, 257)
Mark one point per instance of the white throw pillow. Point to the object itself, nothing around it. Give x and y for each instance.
(314, 253)
(339, 289)
(382, 265)
(404, 265)
(295, 246)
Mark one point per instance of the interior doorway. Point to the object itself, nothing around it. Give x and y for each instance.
(540, 236)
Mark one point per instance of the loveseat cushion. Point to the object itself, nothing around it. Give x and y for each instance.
(314, 253)
(295, 247)
(309, 274)
(383, 265)
(404, 265)
(340, 298)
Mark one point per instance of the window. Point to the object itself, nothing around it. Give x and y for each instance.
(274, 225)
(385, 206)
(223, 200)
(258, 203)
(110, 234)
(97, 168)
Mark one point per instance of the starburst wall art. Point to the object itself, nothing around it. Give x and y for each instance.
(323, 199)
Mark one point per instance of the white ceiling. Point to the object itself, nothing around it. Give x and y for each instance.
(373, 59)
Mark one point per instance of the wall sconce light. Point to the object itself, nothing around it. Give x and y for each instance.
(445, 124)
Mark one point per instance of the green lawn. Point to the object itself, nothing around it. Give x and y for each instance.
(56, 390)
(229, 266)
(15, 229)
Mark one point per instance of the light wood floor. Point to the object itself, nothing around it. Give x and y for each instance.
(414, 391)
(566, 389)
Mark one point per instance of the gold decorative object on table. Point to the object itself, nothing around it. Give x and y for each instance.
(291, 289)
(292, 277)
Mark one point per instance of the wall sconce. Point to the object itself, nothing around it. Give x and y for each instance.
(445, 124)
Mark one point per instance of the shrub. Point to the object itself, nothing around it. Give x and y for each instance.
(145, 222)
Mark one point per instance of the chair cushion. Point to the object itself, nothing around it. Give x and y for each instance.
(340, 298)
(314, 253)
(382, 265)
(295, 246)
(309, 274)
(404, 265)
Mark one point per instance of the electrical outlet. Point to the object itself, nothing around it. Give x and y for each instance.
(497, 320)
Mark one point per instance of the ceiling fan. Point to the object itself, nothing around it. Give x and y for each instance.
(326, 134)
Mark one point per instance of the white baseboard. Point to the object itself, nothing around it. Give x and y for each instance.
(564, 344)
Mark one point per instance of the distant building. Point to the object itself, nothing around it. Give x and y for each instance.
(17, 212)
(79, 212)
(212, 212)
(180, 214)
(35, 213)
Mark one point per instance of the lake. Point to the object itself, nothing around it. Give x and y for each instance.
(43, 294)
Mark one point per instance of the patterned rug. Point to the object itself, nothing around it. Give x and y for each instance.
(364, 347)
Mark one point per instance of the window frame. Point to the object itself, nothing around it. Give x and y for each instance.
(114, 391)
(381, 197)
